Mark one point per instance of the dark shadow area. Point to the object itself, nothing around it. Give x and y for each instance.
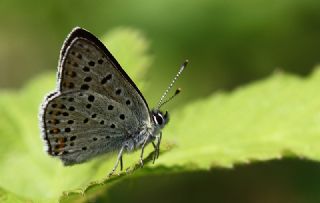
(283, 181)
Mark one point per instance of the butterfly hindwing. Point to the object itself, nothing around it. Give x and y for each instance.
(83, 121)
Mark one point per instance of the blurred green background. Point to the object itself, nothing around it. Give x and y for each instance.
(228, 44)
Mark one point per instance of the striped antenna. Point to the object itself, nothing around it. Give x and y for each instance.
(170, 86)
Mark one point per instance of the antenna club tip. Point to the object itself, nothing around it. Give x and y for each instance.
(185, 62)
(177, 91)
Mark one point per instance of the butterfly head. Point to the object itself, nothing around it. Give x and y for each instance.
(160, 119)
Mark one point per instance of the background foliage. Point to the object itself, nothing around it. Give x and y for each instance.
(235, 106)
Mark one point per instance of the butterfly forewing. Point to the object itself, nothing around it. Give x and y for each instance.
(96, 107)
(85, 66)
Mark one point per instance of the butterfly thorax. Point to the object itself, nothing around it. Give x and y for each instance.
(150, 130)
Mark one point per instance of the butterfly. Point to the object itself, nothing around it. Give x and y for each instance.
(96, 108)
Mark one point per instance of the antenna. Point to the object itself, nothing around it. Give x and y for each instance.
(173, 96)
(171, 84)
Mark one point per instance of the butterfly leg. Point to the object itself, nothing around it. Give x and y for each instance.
(119, 159)
(155, 152)
(142, 150)
(158, 144)
(121, 163)
(157, 147)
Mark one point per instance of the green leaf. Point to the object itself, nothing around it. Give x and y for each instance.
(8, 197)
(266, 120)
(122, 40)
(270, 119)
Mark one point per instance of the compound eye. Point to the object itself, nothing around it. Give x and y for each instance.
(158, 119)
